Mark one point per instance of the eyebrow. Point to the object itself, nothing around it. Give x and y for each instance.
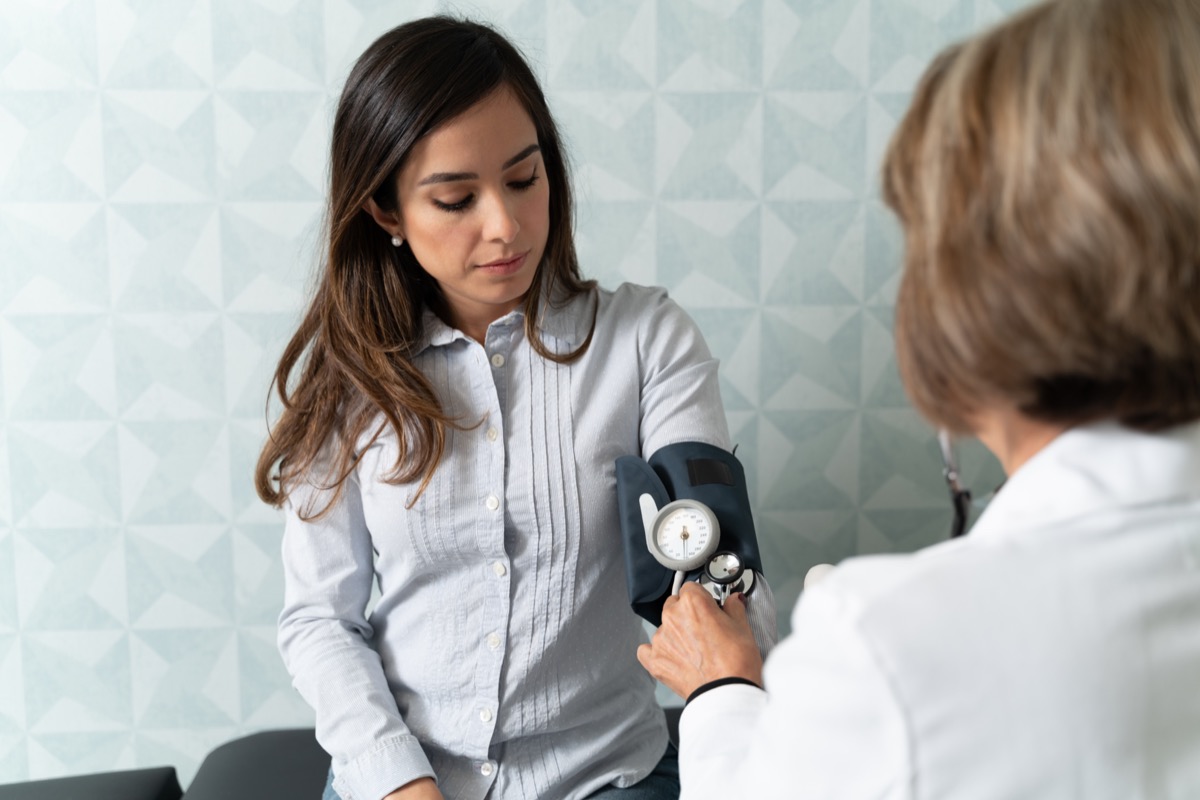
(448, 177)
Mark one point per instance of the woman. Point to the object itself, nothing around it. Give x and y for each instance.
(1047, 177)
(454, 400)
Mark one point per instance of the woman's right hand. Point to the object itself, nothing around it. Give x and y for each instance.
(420, 789)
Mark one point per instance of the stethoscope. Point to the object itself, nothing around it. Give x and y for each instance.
(960, 496)
(960, 499)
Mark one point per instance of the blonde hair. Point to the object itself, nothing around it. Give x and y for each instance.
(1047, 177)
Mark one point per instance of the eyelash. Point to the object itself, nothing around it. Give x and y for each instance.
(461, 205)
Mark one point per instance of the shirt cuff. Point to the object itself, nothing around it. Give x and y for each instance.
(719, 682)
(382, 769)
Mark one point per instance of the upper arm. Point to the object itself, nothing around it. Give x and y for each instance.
(680, 388)
(328, 562)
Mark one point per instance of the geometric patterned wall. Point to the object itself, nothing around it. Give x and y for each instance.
(161, 173)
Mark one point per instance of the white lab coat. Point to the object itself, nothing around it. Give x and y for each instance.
(1052, 653)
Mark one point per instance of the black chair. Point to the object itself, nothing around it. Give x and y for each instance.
(158, 783)
(271, 764)
(283, 764)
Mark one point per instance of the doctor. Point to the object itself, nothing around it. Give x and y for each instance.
(1047, 177)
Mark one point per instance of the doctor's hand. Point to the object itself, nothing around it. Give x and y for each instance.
(700, 642)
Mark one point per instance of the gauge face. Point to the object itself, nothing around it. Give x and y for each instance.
(683, 534)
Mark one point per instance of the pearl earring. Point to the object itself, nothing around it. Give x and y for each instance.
(397, 241)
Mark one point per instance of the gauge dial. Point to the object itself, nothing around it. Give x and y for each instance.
(682, 534)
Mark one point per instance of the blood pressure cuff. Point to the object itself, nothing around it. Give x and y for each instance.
(684, 471)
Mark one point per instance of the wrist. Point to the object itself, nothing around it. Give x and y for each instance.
(420, 789)
(719, 682)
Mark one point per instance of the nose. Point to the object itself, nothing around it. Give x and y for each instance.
(500, 222)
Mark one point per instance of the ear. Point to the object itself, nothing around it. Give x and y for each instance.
(388, 220)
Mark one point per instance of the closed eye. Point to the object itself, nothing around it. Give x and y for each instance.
(457, 206)
(528, 183)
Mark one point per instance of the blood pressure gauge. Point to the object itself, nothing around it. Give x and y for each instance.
(682, 534)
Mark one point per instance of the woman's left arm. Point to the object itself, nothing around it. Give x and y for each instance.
(681, 402)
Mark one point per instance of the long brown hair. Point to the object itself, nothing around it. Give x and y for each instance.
(355, 345)
(1047, 177)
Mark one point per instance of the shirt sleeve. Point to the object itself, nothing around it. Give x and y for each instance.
(828, 725)
(762, 615)
(681, 393)
(324, 638)
(681, 402)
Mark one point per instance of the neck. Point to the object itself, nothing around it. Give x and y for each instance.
(476, 331)
(1013, 437)
(474, 322)
(474, 326)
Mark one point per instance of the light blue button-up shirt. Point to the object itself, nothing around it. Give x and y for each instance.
(501, 654)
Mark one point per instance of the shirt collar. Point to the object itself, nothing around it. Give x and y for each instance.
(1092, 469)
(564, 319)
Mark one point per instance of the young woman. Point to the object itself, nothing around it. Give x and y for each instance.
(454, 401)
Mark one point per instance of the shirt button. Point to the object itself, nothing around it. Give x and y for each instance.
(492, 502)
(486, 769)
(485, 715)
(492, 433)
(498, 360)
(499, 569)
(493, 640)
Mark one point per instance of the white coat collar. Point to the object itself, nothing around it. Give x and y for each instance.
(1094, 468)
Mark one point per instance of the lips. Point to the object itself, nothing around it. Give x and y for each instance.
(505, 266)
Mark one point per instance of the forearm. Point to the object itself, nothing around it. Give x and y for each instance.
(357, 720)
(323, 639)
(713, 741)
(827, 725)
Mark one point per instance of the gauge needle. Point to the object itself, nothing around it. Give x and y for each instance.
(683, 534)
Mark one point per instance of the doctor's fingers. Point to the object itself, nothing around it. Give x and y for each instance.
(693, 609)
(673, 654)
(663, 669)
(659, 658)
(691, 600)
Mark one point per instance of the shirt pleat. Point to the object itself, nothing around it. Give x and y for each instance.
(545, 548)
(569, 527)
